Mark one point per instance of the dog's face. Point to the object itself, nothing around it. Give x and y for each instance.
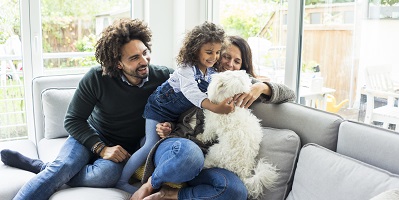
(227, 84)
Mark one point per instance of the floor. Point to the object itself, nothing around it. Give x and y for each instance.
(356, 115)
(351, 114)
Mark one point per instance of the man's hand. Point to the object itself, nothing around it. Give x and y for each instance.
(164, 129)
(115, 153)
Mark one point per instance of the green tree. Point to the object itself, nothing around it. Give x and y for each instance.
(9, 19)
(59, 23)
(246, 18)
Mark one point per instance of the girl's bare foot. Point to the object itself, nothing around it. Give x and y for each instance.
(145, 190)
(166, 193)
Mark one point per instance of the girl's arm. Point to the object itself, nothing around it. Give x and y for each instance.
(225, 107)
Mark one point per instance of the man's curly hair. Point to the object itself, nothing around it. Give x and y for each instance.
(109, 46)
(205, 33)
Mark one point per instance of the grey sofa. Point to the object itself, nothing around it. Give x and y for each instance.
(319, 155)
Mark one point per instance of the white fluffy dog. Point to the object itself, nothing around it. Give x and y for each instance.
(239, 135)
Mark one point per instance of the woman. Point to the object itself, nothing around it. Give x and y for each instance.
(236, 56)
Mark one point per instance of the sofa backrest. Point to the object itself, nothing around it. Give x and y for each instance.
(373, 145)
(311, 125)
(40, 84)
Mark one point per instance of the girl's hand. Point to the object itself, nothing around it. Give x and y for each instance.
(225, 107)
(164, 129)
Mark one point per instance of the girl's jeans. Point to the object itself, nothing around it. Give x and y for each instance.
(181, 160)
(71, 167)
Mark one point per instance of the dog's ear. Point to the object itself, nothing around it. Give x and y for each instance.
(221, 87)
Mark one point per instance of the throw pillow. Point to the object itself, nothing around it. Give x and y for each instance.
(325, 174)
(55, 102)
(280, 147)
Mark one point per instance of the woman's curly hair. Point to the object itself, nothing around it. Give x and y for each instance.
(109, 46)
(205, 33)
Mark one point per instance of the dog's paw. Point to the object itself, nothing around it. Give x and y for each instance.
(206, 137)
(201, 137)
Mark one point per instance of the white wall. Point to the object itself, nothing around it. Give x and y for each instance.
(169, 20)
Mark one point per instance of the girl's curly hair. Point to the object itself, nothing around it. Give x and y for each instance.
(109, 46)
(205, 33)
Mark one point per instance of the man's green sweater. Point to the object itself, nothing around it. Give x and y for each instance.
(112, 107)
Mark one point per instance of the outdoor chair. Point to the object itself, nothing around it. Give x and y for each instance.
(379, 84)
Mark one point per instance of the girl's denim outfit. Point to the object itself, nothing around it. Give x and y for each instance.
(167, 105)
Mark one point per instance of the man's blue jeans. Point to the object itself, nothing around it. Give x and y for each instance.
(181, 160)
(71, 167)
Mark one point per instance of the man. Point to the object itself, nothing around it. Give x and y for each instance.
(104, 118)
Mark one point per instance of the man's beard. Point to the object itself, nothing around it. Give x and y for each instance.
(136, 73)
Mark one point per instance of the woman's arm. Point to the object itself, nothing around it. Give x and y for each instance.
(267, 92)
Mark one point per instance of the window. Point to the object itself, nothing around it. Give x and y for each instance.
(12, 107)
(342, 40)
(58, 40)
(69, 35)
(264, 25)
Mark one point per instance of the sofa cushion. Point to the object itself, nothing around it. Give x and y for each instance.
(55, 102)
(324, 174)
(12, 179)
(48, 149)
(25, 147)
(388, 195)
(370, 144)
(84, 193)
(311, 125)
(280, 147)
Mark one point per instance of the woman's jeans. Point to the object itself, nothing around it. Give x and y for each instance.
(71, 167)
(180, 160)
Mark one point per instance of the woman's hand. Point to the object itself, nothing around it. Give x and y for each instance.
(246, 99)
(164, 129)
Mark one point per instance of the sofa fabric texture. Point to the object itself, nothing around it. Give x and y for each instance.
(324, 174)
(339, 159)
(369, 144)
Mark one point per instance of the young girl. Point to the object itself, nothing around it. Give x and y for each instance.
(185, 88)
